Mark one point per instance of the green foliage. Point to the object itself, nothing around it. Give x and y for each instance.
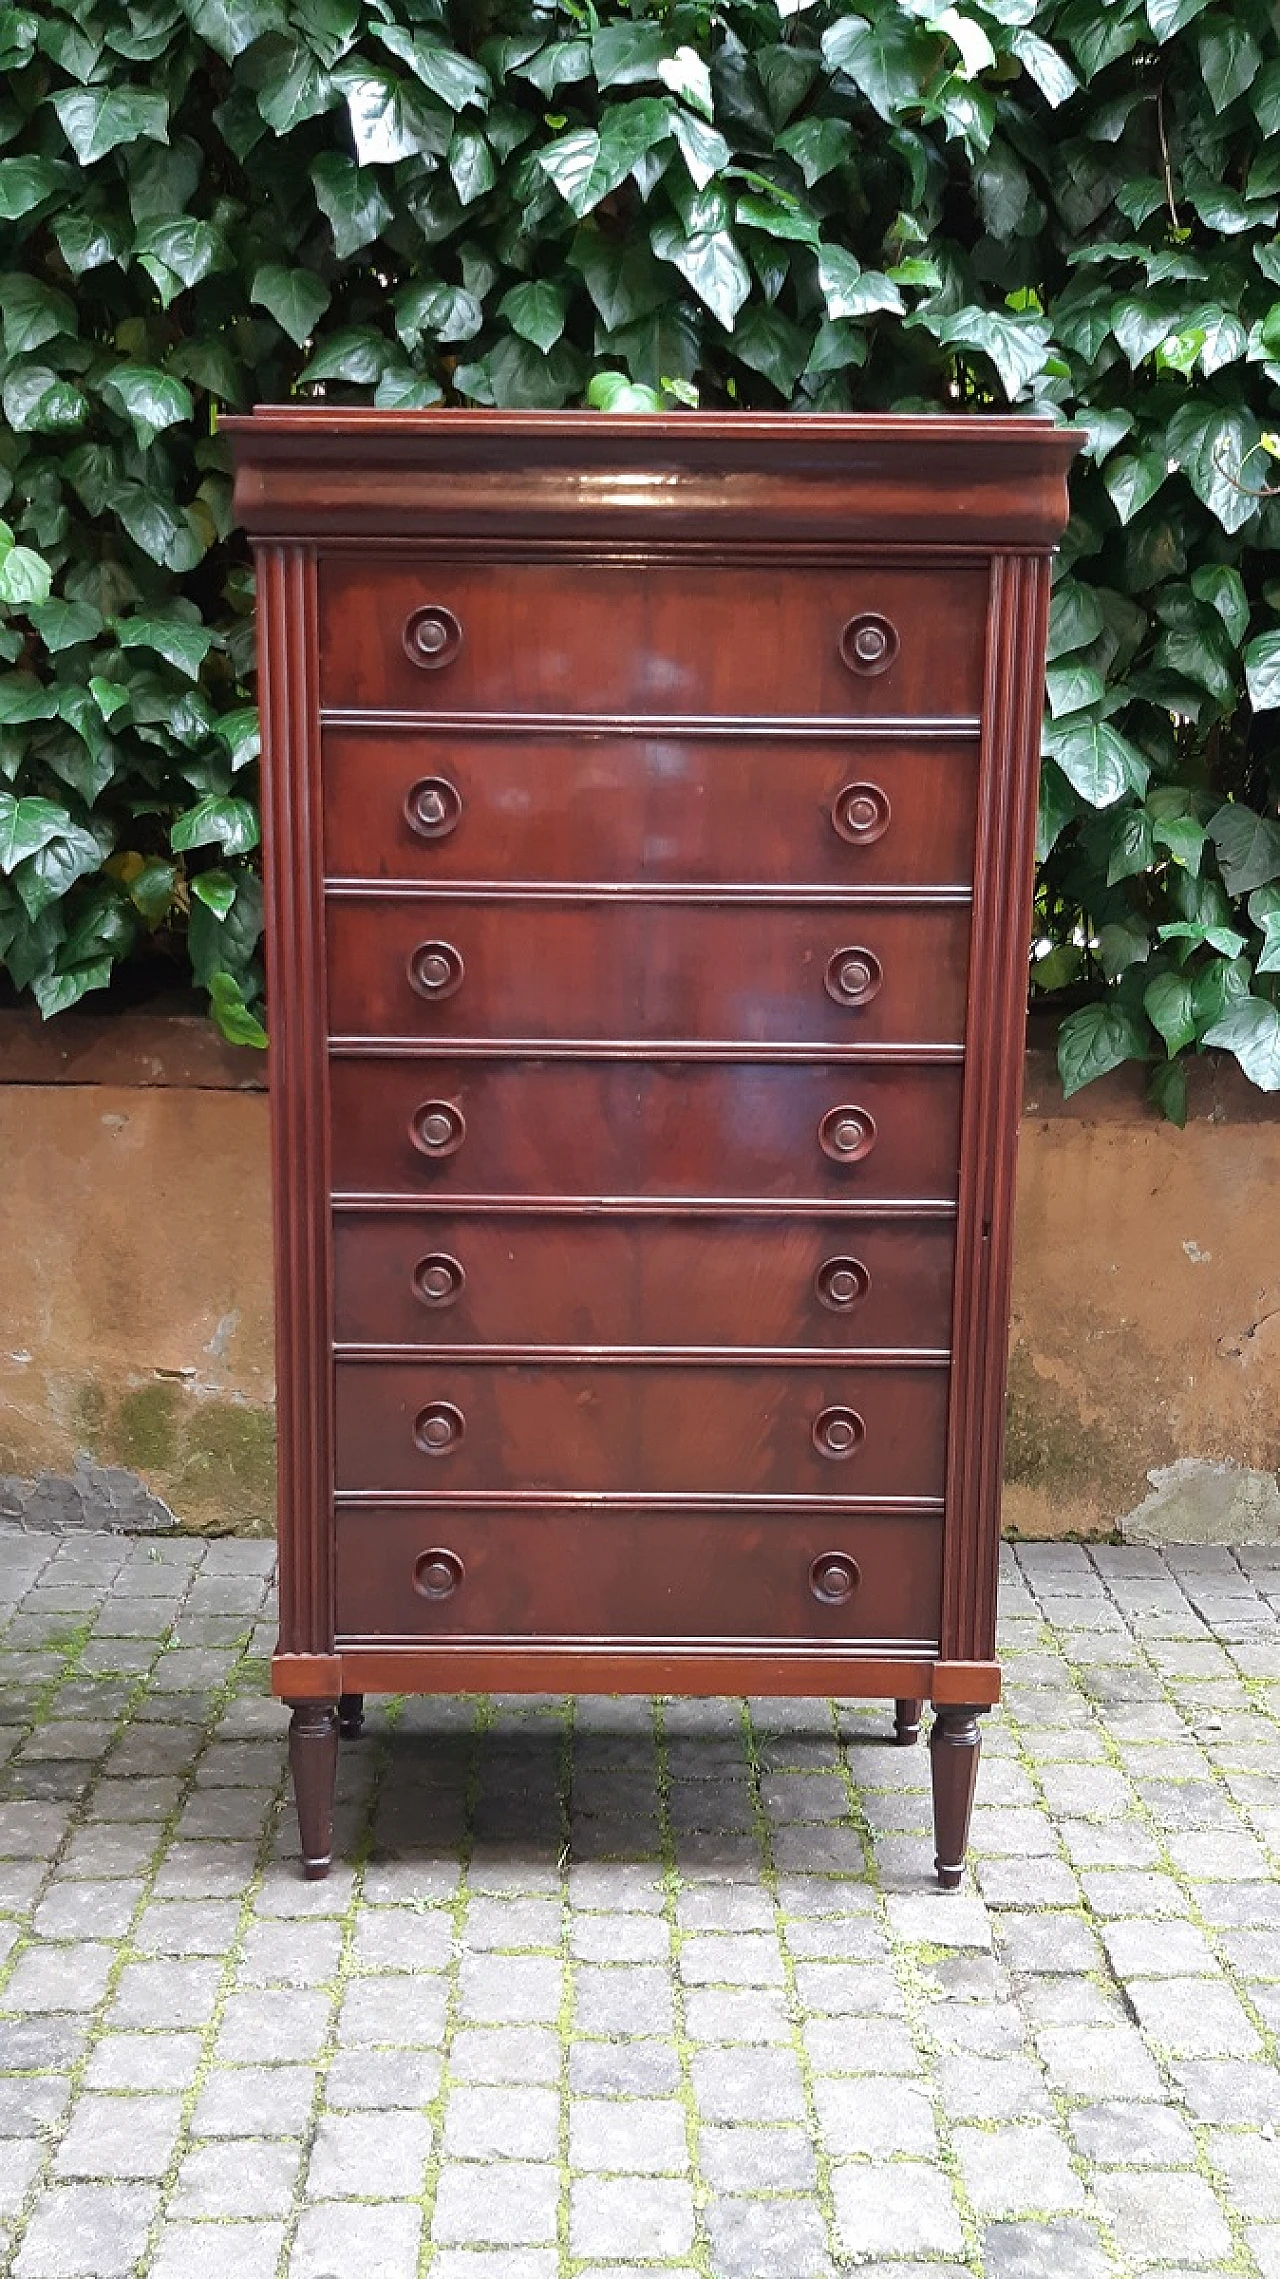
(1054, 204)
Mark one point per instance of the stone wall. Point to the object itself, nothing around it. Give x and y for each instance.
(136, 1355)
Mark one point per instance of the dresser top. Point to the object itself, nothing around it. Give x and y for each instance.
(938, 480)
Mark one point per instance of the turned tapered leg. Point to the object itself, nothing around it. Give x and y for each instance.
(954, 1747)
(351, 1715)
(906, 1722)
(313, 1761)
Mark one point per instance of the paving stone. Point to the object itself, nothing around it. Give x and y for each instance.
(736, 2083)
(638, 2067)
(1133, 2136)
(339, 2237)
(1008, 2088)
(640, 2136)
(716, 2014)
(255, 2101)
(124, 2138)
(385, 2153)
(53, 1978)
(505, 2054)
(502, 2124)
(144, 2061)
(759, 2239)
(1017, 2171)
(226, 2179)
(218, 2251)
(1163, 2217)
(874, 2114)
(1249, 2166)
(499, 2263)
(19, 2165)
(1094, 2061)
(497, 2204)
(760, 2159)
(188, 1927)
(500, 1990)
(360, 2080)
(608, 2215)
(1158, 1950)
(289, 1954)
(272, 2027)
(895, 2207)
(1194, 2018)
(1067, 2249)
(86, 2231)
(734, 1958)
(87, 1910)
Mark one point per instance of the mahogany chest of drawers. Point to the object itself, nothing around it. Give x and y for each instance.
(649, 811)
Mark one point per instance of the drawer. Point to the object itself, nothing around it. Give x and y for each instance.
(638, 1427)
(756, 810)
(653, 638)
(641, 971)
(430, 1278)
(643, 1128)
(558, 1574)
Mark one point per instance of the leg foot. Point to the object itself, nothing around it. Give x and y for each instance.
(906, 1722)
(313, 1761)
(954, 1747)
(351, 1715)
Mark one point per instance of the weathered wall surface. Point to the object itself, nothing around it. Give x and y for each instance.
(136, 1301)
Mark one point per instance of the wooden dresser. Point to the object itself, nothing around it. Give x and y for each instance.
(649, 814)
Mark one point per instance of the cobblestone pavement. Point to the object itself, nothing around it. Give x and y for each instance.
(609, 1988)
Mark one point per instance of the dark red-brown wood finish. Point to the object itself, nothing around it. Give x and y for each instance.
(649, 808)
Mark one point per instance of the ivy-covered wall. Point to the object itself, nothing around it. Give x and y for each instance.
(1067, 205)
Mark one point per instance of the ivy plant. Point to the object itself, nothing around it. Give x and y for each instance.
(1067, 206)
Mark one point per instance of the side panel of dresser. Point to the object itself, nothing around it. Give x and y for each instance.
(299, 1112)
(996, 1024)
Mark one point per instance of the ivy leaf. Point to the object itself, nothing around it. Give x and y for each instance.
(770, 343)
(232, 1012)
(1229, 58)
(1051, 72)
(1016, 345)
(25, 578)
(1133, 479)
(818, 146)
(360, 356)
(881, 59)
(586, 166)
(447, 312)
(1096, 760)
(1211, 447)
(454, 79)
(296, 298)
(1072, 686)
(216, 821)
(179, 640)
(26, 825)
(703, 149)
(296, 89)
(178, 254)
(65, 624)
(1075, 617)
(25, 183)
(1056, 808)
(687, 76)
(790, 223)
(33, 313)
(97, 120)
(389, 119)
(1247, 847)
(231, 26)
(216, 889)
(711, 262)
(976, 51)
(1132, 846)
(151, 400)
(241, 733)
(471, 165)
(1168, 1002)
(351, 201)
(37, 402)
(1251, 1030)
(1262, 672)
(624, 54)
(1095, 1040)
(536, 311)
(1223, 589)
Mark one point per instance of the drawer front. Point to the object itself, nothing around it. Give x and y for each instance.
(785, 811)
(429, 1278)
(666, 638)
(714, 1429)
(558, 1574)
(641, 971)
(650, 1128)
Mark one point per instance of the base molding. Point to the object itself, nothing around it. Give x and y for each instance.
(640, 1666)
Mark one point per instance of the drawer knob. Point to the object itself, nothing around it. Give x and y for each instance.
(841, 1283)
(438, 1428)
(847, 1134)
(834, 1578)
(432, 637)
(433, 807)
(438, 1279)
(437, 1574)
(838, 1433)
(436, 969)
(869, 643)
(438, 1128)
(861, 813)
(854, 977)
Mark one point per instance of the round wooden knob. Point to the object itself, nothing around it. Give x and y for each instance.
(854, 977)
(436, 969)
(841, 1283)
(869, 643)
(838, 1433)
(861, 813)
(433, 807)
(847, 1134)
(437, 1128)
(432, 637)
(437, 1574)
(438, 1279)
(438, 1428)
(833, 1577)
